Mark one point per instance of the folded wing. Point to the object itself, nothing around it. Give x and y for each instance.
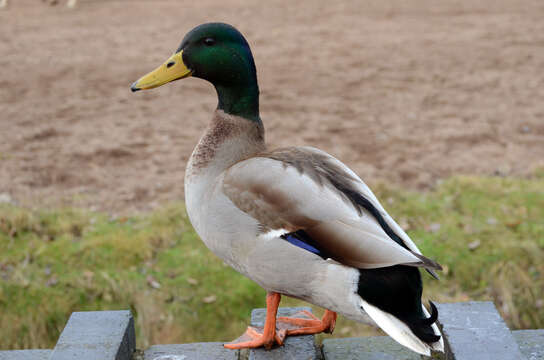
(306, 189)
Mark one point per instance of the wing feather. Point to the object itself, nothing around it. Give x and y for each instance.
(305, 188)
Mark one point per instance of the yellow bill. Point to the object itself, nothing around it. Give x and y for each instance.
(172, 69)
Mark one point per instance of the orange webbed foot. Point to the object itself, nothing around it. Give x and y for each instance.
(253, 338)
(275, 330)
(309, 324)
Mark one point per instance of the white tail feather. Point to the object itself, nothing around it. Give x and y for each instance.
(439, 345)
(400, 332)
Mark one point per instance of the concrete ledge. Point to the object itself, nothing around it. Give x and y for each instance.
(531, 343)
(472, 330)
(195, 351)
(25, 354)
(366, 348)
(475, 330)
(295, 347)
(93, 335)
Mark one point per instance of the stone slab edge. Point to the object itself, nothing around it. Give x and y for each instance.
(92, 335)
(531, 343)
(475, 330)
(192, 351)
(25, 354)
(366, 348)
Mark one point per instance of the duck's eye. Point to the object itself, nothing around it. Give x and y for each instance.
(209, 41)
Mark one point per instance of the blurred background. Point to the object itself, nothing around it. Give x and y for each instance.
(438, 106)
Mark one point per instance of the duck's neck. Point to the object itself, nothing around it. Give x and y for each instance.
(227, 140)
(240, 97)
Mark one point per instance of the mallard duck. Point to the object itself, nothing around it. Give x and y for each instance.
(295, 220)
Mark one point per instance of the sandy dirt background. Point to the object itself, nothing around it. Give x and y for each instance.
(406, 92)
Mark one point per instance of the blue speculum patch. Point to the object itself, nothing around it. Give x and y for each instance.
(301, 239)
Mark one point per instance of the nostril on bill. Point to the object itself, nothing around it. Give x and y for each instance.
(170, 64)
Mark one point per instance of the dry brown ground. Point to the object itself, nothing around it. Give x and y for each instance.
(403, 91)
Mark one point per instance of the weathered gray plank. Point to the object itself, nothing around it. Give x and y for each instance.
(295, 347)
(92, 335)
(366, 348)
(195, 351)
(475, 330)
(531, 343)
(25, 355)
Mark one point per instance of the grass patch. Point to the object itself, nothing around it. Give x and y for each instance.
(487, 232)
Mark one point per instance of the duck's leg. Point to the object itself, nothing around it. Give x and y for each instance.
(310, 326)
(252, 338)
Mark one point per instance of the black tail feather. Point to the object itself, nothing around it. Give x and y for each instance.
(426, 335)
(397, 290)
(434, 315)
(422, 328)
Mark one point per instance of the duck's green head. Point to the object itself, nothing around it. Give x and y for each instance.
(218, 53)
